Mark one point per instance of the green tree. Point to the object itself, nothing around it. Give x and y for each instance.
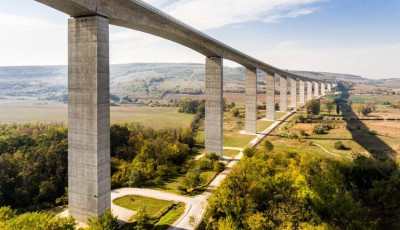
(313, 107)
(267, 145)
(105, 221)
(142, 219)
(329, 106)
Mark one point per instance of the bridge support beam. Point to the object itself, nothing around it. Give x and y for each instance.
(309, 90)
(214, 106)
(293, 92)
(270, 100)
(283, 94)
(89, 172)
(251, 101)
(329, 87)
(322, 88)
(302, 92)
(316, 90)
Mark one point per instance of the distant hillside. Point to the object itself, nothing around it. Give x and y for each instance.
(139, 80)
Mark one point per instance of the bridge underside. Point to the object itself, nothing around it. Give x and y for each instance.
(88, 89)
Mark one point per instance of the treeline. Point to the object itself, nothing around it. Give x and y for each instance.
(140, 154)
(33, 165)
(290, 190)
(33, 160)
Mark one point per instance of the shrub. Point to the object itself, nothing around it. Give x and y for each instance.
(313, 107)
(319, 129)
(339, 145)
(372, 132)
(277, 106)
(105, 221)
(302, 133)
(267, 145)
(300, 119)
(235, 112)
(249, 151)
(366, 110)
(218, 166)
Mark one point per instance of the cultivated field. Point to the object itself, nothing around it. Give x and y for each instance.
(368, 136)
(20, 111)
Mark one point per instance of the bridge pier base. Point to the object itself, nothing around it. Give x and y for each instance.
(283, 94)
(302, 92)
(329, 87)
(89, 172)
(293, 92)
(322, 88)
(309, 90)
(214, 106)
(270, 100)
(251, 101)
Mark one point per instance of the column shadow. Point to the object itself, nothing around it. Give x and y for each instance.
(360, 131)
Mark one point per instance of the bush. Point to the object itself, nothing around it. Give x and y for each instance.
(235, 112)
(339, 145)
(277, 106)
(300, 119)
(218, 166)
(249, 151)
(319, 129)
(267, 145)
(372, 132)
(313, 107)
(302, 133)
(105, 221)
(366, 110)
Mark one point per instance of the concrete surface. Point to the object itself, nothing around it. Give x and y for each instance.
(89, 172)
(214, 104)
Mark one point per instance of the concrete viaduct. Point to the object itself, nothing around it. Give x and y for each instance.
(88, 89)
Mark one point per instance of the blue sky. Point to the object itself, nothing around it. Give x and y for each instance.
(347, 36)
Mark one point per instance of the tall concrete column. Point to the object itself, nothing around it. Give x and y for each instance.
(214, 106)
(316, 90)
(283, 94)
(309, 90)
(270, 100)
(329, 87)
(89, 172)
(302, 93)
(293, 92)
(251, 101)
(322, 88)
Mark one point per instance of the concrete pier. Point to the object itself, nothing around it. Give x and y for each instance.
(302, 92)
(329, 87)
(214, 106)
(309, 90)
(316, 90)
(89, 172)
(251, 101)
(283, 94)
(322, 88)
(270, 100)
(293, 92)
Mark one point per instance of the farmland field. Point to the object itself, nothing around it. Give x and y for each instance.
(20, 111)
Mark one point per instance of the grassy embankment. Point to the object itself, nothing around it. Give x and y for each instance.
(161, 213)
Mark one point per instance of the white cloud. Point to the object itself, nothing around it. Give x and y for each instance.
(209, 14)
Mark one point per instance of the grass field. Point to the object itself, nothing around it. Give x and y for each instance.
(162, 213)
(171, 183)
(20, 111)
(230, 153)
(353, 134)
